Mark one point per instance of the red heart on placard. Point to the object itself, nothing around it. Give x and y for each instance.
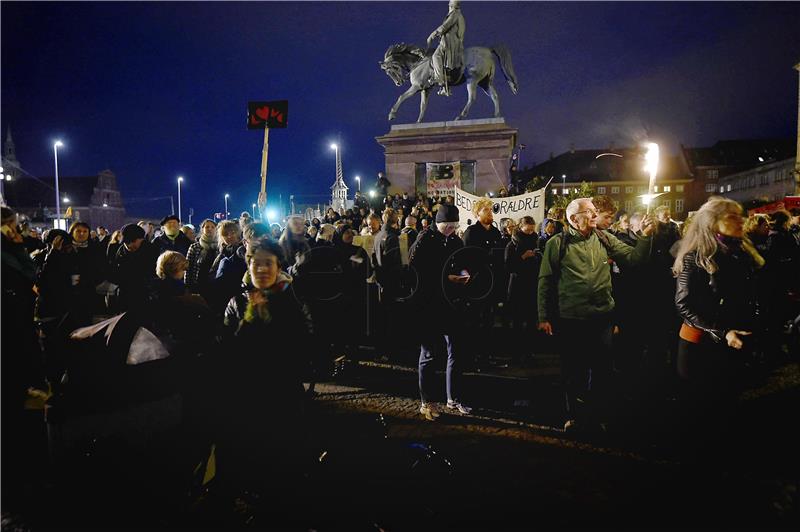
(262, 112)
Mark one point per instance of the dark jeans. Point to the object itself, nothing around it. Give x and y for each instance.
(431, 344)
(585, 366)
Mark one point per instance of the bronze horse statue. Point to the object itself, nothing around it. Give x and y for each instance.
(407, 62)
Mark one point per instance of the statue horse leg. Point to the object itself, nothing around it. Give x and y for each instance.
(423, 104)
(471, 84)
(412, 90)
(488, 87)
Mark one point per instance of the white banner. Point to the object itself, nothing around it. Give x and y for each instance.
(514, 207)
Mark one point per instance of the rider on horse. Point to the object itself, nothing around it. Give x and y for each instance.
(449, 55)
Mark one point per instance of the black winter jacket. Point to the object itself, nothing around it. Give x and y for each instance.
(269, 355)
(722, 301)
(523, 274)
(180, 244)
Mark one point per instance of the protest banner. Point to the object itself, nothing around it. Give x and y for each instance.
(514, 207)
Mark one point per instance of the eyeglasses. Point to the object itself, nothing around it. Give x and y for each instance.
(590, 211)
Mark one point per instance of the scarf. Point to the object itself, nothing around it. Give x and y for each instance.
(80, 245)
(261, 312)
(208, 243)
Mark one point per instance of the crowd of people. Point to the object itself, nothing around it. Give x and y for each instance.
(613, 293)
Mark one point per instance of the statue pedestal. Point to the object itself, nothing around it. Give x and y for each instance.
(483, 147)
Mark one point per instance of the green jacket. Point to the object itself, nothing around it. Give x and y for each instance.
(584, 283)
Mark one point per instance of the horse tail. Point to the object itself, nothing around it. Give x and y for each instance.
(507, 66)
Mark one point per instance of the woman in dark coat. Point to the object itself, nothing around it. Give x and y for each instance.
(522, 259)
(266, 347)
(717, 299)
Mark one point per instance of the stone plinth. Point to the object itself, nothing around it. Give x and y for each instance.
(488, 142)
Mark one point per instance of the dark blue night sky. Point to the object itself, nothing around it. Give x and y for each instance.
(157, 90)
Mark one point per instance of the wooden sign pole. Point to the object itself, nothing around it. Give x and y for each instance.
(262, 196)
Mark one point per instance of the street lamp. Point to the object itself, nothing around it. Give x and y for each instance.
(563, 183)
(226, 205)
(254, 210)
(56, 145)
(358, 182)
(180, 180)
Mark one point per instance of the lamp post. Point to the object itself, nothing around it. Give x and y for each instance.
(180, 180)
(563, 184)
(56, 145)
(226, 205)
(358, 182)
(254, 211)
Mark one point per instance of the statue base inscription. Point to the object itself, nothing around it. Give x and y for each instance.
(475, 153)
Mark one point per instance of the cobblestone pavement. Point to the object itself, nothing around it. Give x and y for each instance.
(379, 465)
(512, 464)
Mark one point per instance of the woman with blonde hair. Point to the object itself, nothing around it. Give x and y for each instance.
(717, 298)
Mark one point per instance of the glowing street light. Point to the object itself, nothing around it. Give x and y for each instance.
(66, 199)
(226, 205)
(180, 180)
(371, 193)
(254, 210)
(56, 145)
(358, 182)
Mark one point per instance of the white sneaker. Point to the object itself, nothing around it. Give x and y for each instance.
(458, 406)
(428, 411)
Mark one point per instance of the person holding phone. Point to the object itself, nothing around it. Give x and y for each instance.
(431, 258)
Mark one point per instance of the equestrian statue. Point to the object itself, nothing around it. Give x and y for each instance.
(448, 66)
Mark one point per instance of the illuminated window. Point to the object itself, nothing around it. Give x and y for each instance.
(722, 188)
(667, 188)
(711, 187)
(655, 188)
(628, 190)
(678, 188)
(615, 190)
(601, 190)
(729, 187)
(712, 174)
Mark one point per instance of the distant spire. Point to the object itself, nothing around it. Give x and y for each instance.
(9, 152)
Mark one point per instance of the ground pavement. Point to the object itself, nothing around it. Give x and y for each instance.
(378, 465)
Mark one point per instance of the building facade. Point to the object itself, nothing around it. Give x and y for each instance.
(619, 174)
(765, 183)
(95, 200)
(710, 166)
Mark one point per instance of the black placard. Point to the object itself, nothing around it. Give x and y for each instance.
(270, 115)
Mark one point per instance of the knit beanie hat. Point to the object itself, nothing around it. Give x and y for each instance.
(447, 213)
(131, 233)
